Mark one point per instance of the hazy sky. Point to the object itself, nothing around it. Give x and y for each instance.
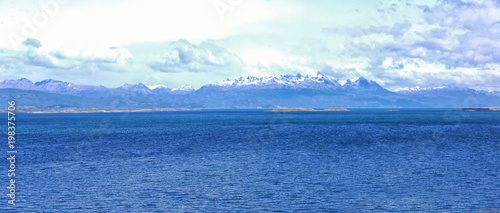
(396, 43)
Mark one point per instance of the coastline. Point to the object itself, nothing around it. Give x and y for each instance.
(97, 110)
(109, 110)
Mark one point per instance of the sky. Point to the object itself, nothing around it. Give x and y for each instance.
(398, 43)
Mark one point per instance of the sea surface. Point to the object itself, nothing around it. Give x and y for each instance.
(370, 160)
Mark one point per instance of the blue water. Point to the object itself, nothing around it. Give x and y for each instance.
(258, 161)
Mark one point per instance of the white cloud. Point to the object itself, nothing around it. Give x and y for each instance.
(85, 66)
(394, 42)
(449, 42)
(117, 23)
(208, 57)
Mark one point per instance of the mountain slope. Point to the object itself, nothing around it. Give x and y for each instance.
(317, 91)
(452, 97)
(314, 82)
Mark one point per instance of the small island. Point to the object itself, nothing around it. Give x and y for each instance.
(476, 109)
(306, 109)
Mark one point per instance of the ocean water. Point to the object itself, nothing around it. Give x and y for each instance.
(257, 161)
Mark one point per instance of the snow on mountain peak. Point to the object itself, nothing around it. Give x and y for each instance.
(53, 85)
(152, 87)
(135, 87)
(52, 82)
(416, 89)
(362, 83)
(184, 88)
(319, 78)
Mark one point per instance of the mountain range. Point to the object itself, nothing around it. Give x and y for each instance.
(314, 91)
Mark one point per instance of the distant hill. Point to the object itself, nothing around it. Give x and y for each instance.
(293, 91)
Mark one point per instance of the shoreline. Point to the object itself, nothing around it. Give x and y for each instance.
(98, 110)
(108, 110)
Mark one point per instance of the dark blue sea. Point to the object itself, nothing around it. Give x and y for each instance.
(432, 160)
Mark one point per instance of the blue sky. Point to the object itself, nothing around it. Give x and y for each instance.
(396, 43)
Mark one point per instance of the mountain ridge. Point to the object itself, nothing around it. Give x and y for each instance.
(273, 90)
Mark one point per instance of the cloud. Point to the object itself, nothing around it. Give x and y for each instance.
(85, 66)
(444, 42)
(34, 55)
(396, 41)
(179, 63)
(111, 55)
(41, 59)
(456, 34)
(31, 42)
(183, 56)
(396, 30)
(474, 28)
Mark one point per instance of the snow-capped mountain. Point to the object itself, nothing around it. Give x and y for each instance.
(265, 91)
(178, 90)
(415, 89)
(450, 96)
(296, 90)
(137, 89)
(494, 93)
(362, 84)
(184, 89)
(318, 81)
(139, 86)
(159, 86)
(314, 82)
(53, 85)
